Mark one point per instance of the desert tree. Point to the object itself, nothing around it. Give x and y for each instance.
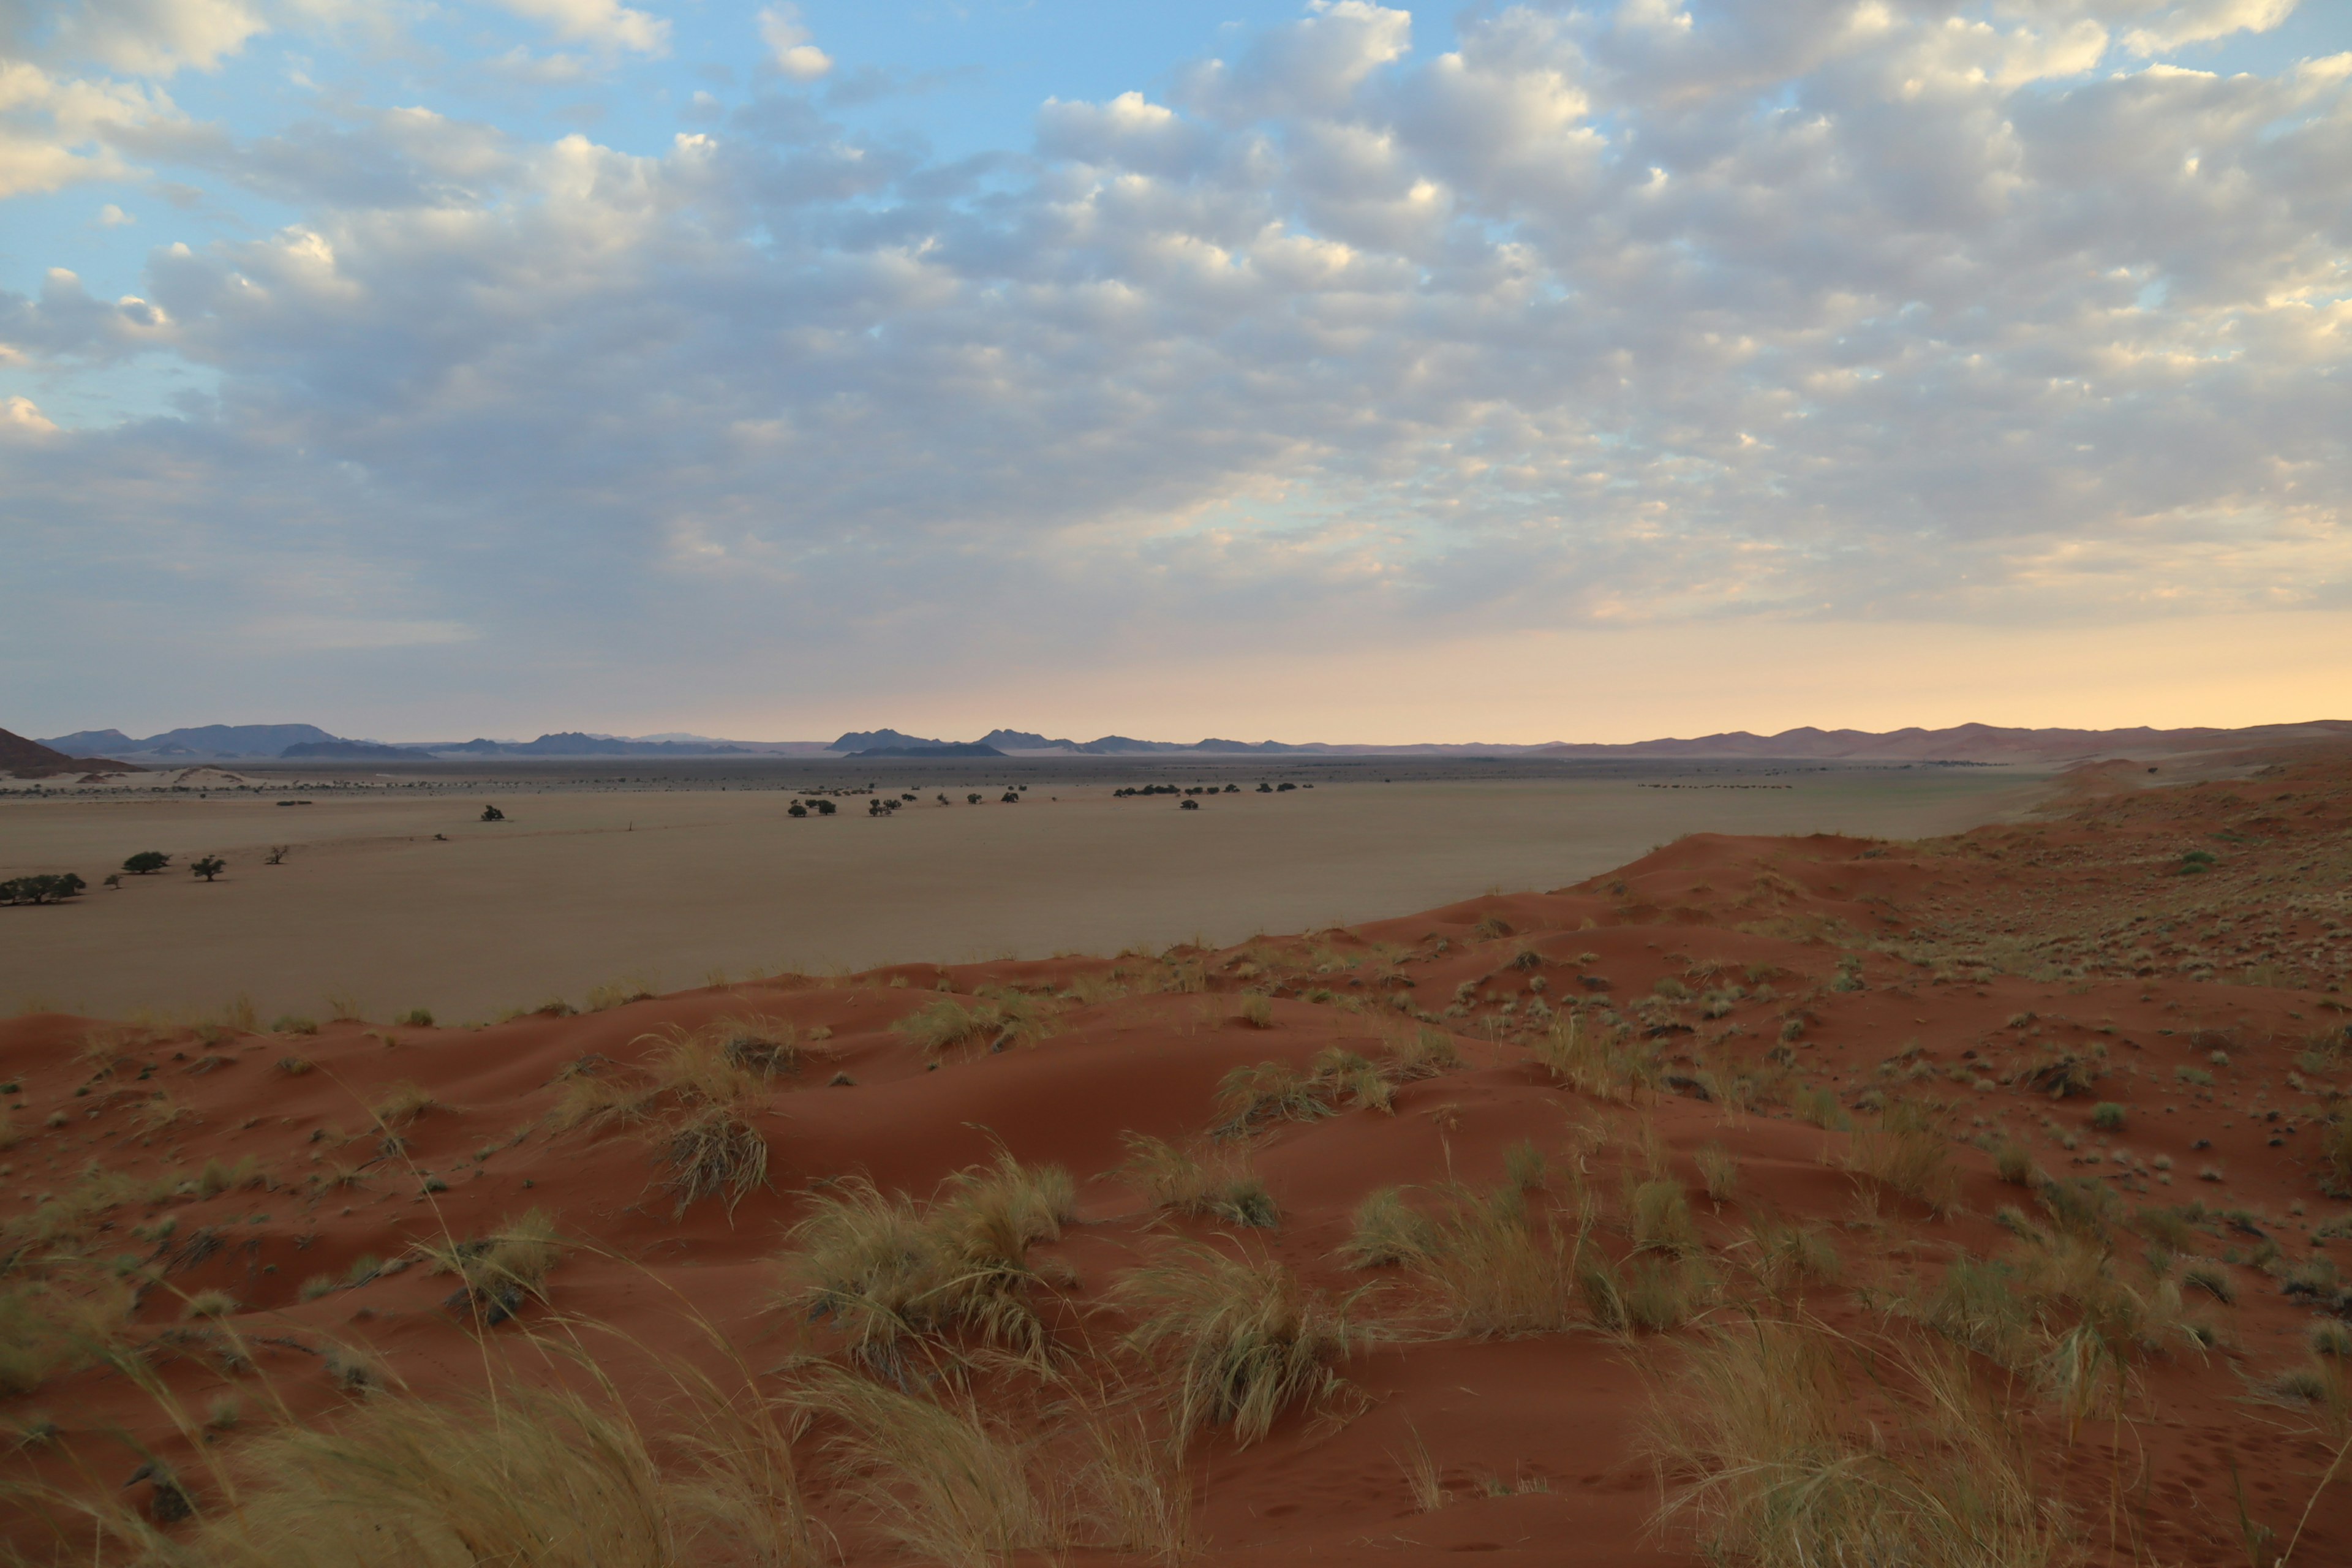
(147, 862)
(208, 866)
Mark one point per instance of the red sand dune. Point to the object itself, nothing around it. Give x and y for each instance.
(1963, 974)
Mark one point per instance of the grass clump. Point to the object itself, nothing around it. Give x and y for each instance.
(713, 1152)
(1718, 1171)
(1356, 1079)
(401, 1104)
(2107, 1116)
(1386, 1231)
(2013, 1162)
(553, 1479)
(944, 1024)
(1424, 1053)
(498, 1272)
(954, 1481)
(1771, 1460)
(1243, 1339)
(1216, 1184)
(1251, 1096)
(890, 1273)
(1906, 1154)
(1608, 1064)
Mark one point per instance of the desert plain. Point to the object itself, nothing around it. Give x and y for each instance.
(658, 875)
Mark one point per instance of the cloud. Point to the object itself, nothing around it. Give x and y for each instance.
(57, 131)
(156, 38)
(789, 46)
(1763, 313)
(606, 24)
(20, 417)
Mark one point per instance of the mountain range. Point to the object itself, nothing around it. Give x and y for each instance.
(1962, 742)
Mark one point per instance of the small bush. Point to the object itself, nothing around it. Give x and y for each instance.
(417, 1018)
(2013, 1164)
(293, 1023)
(2107, 1116)
(1258, 1011)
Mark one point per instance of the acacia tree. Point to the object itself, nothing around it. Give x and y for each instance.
(208, 866)
(147, 862)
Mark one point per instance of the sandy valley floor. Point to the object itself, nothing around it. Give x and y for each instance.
(580, 888)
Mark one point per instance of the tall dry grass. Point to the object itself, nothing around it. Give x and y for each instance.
(1609, 1064)
(1769, 1456)
(1907, 1153)
(896, 1278)
(1214, 1183)
(1241, 1339)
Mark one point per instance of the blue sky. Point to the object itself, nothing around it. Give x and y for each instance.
(1326, 370)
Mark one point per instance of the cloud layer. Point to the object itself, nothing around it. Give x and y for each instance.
(1777, 310)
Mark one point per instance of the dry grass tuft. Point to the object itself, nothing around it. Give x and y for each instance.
(553, 1479)
(1250, 1097)
(956, 1482)
(947, 1023)
(498, 1271)
(1771, 1460)
(1492, 1263)
(1217, 1183)
(401, 1104)
(713, 1152)
(892, 1275)
(1907, 1154)
(1608, 1064)
(1243, 1338)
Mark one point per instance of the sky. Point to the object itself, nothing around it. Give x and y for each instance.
(422, 369)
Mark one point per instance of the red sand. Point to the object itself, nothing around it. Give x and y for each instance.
(1994, 950)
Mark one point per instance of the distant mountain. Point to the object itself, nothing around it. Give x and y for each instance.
(1026, 740)
(353, 750)
(1960, 743)
(939, 749)
(573, 743)
(869, 739)
(82, 742)
(31, 759)
(202, 740)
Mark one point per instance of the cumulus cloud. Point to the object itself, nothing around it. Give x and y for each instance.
(156, 38)
(606, 24)
(1792, 310)
(789, 46)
